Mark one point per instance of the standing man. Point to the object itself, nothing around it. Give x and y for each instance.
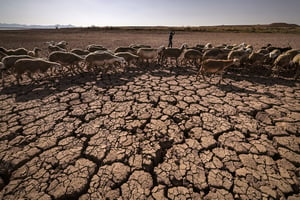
(171, 38)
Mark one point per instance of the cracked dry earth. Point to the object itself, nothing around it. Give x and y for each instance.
(152, 134)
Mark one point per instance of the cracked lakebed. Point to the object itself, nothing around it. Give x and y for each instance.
(150, 134)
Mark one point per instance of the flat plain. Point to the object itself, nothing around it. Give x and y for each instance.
(150, 132)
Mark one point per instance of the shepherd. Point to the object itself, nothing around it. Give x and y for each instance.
(171, 38)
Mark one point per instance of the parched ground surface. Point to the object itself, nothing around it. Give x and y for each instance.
(151, 133)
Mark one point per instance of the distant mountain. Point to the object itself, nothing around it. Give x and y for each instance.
(24, 26)
(282, 24)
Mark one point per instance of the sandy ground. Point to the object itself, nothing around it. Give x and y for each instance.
(150, 132)
(113, 38)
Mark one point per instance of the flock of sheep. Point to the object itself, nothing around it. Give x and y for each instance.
(96, 58)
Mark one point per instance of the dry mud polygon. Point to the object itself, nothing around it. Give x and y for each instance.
(150, 133)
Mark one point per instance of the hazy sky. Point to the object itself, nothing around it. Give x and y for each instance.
(149, 12)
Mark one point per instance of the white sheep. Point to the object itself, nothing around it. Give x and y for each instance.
(2, 55)
(2, 72)
(80, 52)
(262, 51)
(208, 46)
(242, 55)
(129, 57)
(292, 52)
(215, 53)
(9, 61)
(274, 54)
(192, 56)
(105, 60)
(281, 63)
(52, 48)
(67, 59)
(8, 64)
(149, 53)
(215, 66)
(35, 52)
(169, 53)
(257, 58)
(62, 44)
(29, 66)
(95, 47)
(138, 46)
(18, 51)
(296, 64)
(126, 49)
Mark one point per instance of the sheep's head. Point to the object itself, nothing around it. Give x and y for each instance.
(208, 46)
(36, 49)
(183, 46)
(120, 61)
(236, 62)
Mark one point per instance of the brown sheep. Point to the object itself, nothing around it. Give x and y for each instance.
(29, 66)
(215, 66)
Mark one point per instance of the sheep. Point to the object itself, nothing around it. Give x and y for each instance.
(257, 58)
(129, 57)
(197, 47)
(274, 54)
(2, 55)
(149, 53)
(292, 52)
(9, 61)
(191, 55)
(18, 51)
(95, 47)
(282, 62)
(62, 44)
(215, 66)
(52, 48)
(215, 53)
(103, 59)
(66, 59)
(240, 46)
(2, 72)
(282, 50)
(172, 53)
(34, 52)
(29, 66)
(80, 52)
(262, 51)
(265, 47)
(138, 46)
(126, 49)
(208, 46)
(104, 51)
(238, 54)
(296, 63)
(221, 46)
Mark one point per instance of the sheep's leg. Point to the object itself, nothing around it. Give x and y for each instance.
(297, 72)
(2, 76)
(202, 72)
(18, 77)
(80, 68)
(31, 77)
(221, 78)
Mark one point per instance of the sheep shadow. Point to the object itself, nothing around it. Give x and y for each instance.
(237, 89)
(261, 79)
(53, 85)
(45, 87)
(50, 86)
